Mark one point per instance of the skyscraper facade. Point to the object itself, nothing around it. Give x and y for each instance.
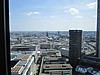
(75, 40)
(98, 29)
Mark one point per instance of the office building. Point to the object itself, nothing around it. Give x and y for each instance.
(22, 63)
(57, 69)
(98, 30)
(75, 39)
(50, 52)
(46, 45)
(64, 52)
(47, 34)
(52, 65)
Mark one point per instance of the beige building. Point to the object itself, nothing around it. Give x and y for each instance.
(55, 65)
(24, 65)
(57, 69)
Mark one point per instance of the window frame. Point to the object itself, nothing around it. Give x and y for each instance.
(5, 68)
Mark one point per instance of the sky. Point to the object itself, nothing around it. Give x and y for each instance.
(52, 15)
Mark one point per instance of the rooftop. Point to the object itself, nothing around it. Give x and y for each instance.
(25, 57)
(50, 52)
(16, 69)
(22, 63)
(57, 66)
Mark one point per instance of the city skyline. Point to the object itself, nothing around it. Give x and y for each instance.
(55, 15)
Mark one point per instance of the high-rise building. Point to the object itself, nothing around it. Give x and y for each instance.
(75, 40)
(47, 34)
(55, 65)
(58, 33)
(98, 29)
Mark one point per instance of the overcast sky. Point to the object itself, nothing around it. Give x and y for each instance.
(52, 15)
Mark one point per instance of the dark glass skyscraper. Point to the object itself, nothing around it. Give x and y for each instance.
(75, 40)
(98, 30)
(47, 34)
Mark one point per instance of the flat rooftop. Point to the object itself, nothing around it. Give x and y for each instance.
(25, 57)
(16, 69)
(22, 63)
(54, 60)
(50, 52)
(57, 66)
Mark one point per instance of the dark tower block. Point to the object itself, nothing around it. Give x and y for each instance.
(98, 30)
(47, 34)
(58, 33)
(75, 41)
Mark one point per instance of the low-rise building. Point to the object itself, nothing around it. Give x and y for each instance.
(64, 52)
(55, 65)
(57, 69)
(22, 63)
(46, 45)
(50, 52)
